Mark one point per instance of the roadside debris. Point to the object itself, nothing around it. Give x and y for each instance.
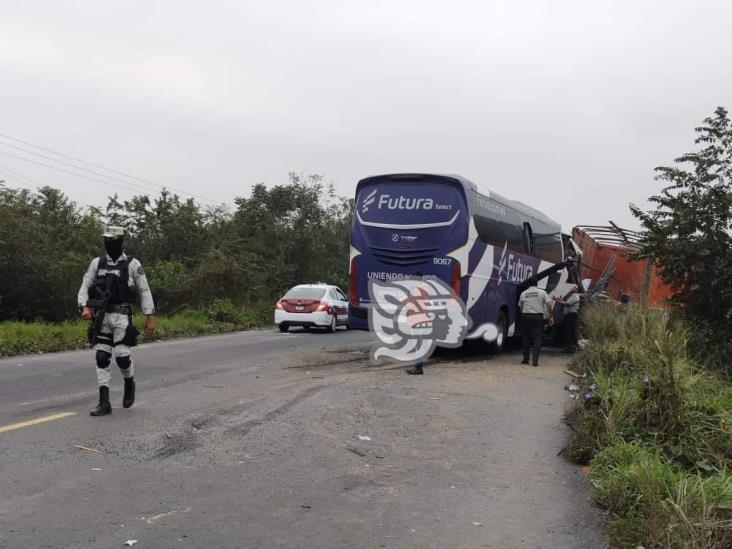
(130, 542)
(96, 469)
(477, 524)
(573, 374)
(167, 434)
(583, 343)
(356, 451)
(87, 449)
(573, 389)
(153, 520)
(364, 438)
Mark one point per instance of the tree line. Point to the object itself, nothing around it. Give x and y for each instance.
(292, 233)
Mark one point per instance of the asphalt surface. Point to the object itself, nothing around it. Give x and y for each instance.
(256, 439)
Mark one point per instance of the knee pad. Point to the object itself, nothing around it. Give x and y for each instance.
(103, 359)
(123, 361)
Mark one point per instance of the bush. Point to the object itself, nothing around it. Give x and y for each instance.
(21, 338)
(18, 338)
(656, 430)
(648, 388)
(653, 500)
(688, 232)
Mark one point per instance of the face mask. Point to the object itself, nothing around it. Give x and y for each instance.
(113, 247)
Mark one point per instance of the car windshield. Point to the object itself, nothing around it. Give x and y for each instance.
(305, 293)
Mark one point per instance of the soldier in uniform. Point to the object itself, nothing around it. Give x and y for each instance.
(569, 319)
(110, 286)
(534, 303)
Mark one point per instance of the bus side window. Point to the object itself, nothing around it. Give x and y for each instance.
(548, 247)
(528, 238)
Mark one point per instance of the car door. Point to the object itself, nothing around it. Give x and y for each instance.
(342, 305)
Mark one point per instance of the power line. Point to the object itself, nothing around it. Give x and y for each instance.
(69, 172)
(18, 175)
(142, 179)
(146, 189)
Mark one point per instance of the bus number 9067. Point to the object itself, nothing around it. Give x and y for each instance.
(441, 260)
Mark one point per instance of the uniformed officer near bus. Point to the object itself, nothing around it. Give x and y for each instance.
(534, 303)
(569, 319)
(111, 285)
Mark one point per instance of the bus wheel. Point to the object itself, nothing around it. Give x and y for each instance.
(502, 324)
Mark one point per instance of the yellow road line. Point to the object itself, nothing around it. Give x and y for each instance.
(14, 426)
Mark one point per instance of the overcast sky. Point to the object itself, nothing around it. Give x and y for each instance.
(565, 105)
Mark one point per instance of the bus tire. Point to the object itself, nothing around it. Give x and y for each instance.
(502, 325)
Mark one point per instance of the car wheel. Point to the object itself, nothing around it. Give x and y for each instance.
(333, 324)
(502, 325)
(283, 327)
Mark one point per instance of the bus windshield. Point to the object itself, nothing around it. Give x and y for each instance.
(408, 205)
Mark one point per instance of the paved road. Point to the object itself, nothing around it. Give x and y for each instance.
(252, 440)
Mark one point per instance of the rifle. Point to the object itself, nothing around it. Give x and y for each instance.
(99, 307)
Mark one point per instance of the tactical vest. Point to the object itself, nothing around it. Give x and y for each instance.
(115, 279)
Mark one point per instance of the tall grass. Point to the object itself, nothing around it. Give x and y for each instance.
(657, 503)
(18, 338)
(656, 430)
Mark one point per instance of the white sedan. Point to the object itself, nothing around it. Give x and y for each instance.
(309, 305)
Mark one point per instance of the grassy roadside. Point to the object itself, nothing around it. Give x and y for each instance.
(17, 338)
(656, 431)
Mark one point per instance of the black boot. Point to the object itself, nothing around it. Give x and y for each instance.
(104, 407)
(129, 397)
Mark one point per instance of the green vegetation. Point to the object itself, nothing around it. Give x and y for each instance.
(654, 422)
(656, 430)
(277, 237)
(689, 233)
(210, 269)
(17, 337)
(656, 503)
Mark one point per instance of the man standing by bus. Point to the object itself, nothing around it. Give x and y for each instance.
(533, 303)
(569, 319)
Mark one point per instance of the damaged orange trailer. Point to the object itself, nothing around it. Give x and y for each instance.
(608, 248)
